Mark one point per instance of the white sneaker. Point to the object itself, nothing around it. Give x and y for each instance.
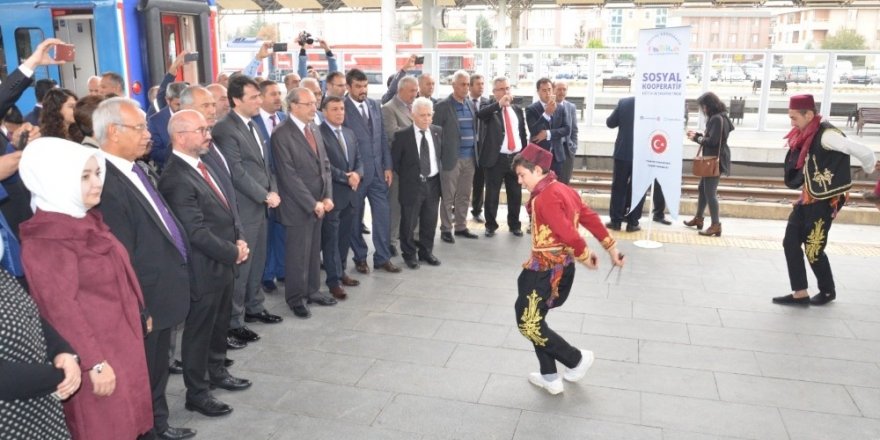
(577, 373)
(553, 387)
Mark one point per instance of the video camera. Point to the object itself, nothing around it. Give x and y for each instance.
(305, 38)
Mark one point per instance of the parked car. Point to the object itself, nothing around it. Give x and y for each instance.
(860, 76)
(730, 73)
(797, 74)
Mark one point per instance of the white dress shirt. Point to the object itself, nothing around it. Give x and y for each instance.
(194, 162)
(434, 167)
(267, 120)
(514, 123)
(256, 135)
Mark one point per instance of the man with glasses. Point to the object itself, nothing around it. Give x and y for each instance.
(195, 194)
(140, 218)
(304, 181)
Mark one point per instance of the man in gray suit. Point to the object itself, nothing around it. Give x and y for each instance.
(244, 148)
(396, 117)
(456, 116)
(560, 89)
(304, 182)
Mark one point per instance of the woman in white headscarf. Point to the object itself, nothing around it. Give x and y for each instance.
(82, 281)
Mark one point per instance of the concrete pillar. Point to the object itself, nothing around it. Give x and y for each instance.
(515, 12)
(501, 40)
(389, 40)
(429, 39)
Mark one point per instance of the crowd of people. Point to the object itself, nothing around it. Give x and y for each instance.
(187, 212)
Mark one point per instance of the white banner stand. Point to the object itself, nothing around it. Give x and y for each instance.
(647, 243)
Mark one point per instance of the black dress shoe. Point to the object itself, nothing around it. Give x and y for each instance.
(466, 234)
(662, 221)
(517, 232)
(430, 259)
(364, 229)
(269, 286)
(264, 317)
(231, 383)
(244, 334)
(613, 226)
(790, 300)
(361, 266)
(175, 367)
(233, 343)
(209, 406)
(280, 280)
(411, 263)
(322, 301)
(821, 298)
(228, 362)
(301, 312)
(633, 228)
(393, 250)
(447, 237)
(490, 232)
(177, 433)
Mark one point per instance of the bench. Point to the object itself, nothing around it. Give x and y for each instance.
(736, 109)
(774, 84)
(867, 116)
(579, 102)
(616, 82)
(850, 110)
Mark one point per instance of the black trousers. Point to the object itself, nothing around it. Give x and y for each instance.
(424, 213)
(567, 169)
(157, 347)
(302, 262)
(531, 314)
(621, 190)
(477, 191)
(495, 176)
(807, 233)
(203, 346)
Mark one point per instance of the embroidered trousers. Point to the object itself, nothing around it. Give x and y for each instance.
(807, 234)
(531, 314)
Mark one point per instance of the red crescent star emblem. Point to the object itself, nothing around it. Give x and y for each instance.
(658, 143)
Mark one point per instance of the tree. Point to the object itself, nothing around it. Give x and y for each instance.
(484, 33)
(595, 43)
(580, 38)
(846, 39)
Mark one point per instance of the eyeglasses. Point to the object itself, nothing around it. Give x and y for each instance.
(139, 127)
(201, 130)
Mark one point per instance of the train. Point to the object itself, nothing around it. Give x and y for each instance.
(137, 39)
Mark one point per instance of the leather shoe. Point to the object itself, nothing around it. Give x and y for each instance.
(430, 259)
(822, 298)
(264, 317)
(350, 282)
(364, 229)
(228, 362)
(177, 433)
(301, 311)
(338, 292)
(613, 226)
(389, 267)
(466, 234)
(517, 232)
(233, 343)
(411, 263)
(662, 221)
(490, 232)
(633, 228)
(209, 406)
(790, 300)
(269, 286)
(175, 367)
(447, 237)
(393, 250)
(244, 334)
(361, 266)
(322, 301)
(231, 383)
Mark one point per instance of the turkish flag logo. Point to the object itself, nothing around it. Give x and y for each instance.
(659, 142)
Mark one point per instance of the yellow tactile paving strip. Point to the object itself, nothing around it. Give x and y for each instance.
(693, 238)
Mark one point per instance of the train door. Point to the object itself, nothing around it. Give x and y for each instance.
(179, 34)
(78, 30)
(172, 26)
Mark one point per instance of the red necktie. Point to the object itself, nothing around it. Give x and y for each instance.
(310, 138)
(274, 123)
(204, 171)
(508, 130)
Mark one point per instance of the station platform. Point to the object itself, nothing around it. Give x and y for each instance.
(687, 345)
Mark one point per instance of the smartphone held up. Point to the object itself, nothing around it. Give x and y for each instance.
(64, 52)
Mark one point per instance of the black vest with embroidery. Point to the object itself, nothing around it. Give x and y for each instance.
(826, 172)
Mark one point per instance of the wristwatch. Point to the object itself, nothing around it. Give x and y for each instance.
(75, 357)
(98, 367)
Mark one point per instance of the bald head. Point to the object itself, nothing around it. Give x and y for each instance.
(201, 100)
(219, 92)
(189, 133)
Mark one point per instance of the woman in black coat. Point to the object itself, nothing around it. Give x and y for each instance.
(714, 143)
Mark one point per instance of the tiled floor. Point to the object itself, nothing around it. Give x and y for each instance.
(688, 346)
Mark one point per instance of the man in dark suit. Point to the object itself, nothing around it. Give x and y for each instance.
(346, 170)
(364, 117)
(216, 248)
(457, 117)
(504, 135)
(570, 142)
(396, 115)
(304, 182)
(548, 124)
(269, 119)
(475, 94)
(155, 240)
(246, 153)
(18, 81)
(158, 125)
(40, 89)
(416, 154)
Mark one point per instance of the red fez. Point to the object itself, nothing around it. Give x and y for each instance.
(802, 102)
(538, 156)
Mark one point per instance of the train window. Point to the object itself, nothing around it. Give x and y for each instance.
(26, 40)
(2, 60)
(179, 33)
